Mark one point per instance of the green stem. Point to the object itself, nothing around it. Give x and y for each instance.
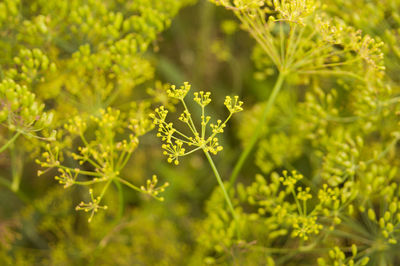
(16, 168)
(103, 192)
(352, 236)
(123, 181)
(121, 200)
(91, 182)
(80, 171)
(221, 184)
(332, 72)
(190, 123)
(257, 132)
(10, 141)
(297, 202)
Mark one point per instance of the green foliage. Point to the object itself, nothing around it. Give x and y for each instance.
(307, 172)
(342, 131)
(20, 111)
(51, 224)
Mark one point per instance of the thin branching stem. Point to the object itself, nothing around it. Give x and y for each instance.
(80, 171)
(191, 123)
(10, 141)
(226, 195)
(123, 181)
(257, 131)
(121, 205)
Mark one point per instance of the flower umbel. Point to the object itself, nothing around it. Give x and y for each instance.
(152, 189)
(178, 144)
(93, 206)
(101, 156)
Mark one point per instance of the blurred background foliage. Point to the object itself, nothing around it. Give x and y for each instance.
(80, 56)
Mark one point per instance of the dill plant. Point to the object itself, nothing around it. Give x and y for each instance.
(106, 153)
(176, 141)
(67, 69)
(87, 56)
(322, 188)
(299, 38)
(347, 116)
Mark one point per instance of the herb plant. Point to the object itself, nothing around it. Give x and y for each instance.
(306, 170)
